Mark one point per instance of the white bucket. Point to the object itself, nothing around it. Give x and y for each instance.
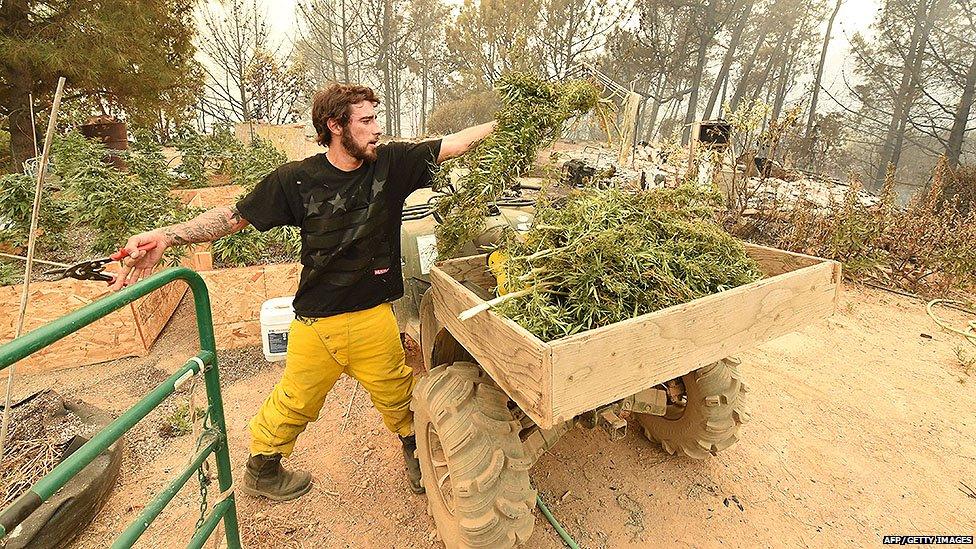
(276, 317)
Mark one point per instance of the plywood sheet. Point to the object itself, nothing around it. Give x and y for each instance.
(287, 138)
(236, 294)
(114, 336)
(281, 280)
(209, 197)
(154, 310)
(235, 335)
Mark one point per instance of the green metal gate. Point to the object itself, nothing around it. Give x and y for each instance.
(214, 439)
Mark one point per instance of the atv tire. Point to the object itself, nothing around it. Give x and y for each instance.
(709, 420)
(474, 466)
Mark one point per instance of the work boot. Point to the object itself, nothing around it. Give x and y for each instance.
(413, 464)
(266, 477)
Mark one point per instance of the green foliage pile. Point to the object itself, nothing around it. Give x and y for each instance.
(532, 116)
(599, 256)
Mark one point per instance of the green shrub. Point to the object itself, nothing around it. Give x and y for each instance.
(16, 204)
(928, 247)
(115, 204)
(145, 159)
(288, 238)
(208, 154)
(240, 249)
(253, 162)
(10, 274)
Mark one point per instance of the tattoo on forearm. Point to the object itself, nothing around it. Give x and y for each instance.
(208, 226)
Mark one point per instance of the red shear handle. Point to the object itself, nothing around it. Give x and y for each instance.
(123, 253)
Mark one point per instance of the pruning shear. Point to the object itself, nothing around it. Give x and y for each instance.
(93, 269)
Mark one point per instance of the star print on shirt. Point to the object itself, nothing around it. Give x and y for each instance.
(338, 202)
(378, 186)
(312, 208)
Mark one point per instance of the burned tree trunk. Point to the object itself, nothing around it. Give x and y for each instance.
(723, 73)
(706, 35)
(820, 68)
(961, 118)
(905, 96)
(740, 89)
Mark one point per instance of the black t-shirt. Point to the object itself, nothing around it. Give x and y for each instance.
(350, 223)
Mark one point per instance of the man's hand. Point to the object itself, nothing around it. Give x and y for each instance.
(210, 225)
(459, 143)
(140, 263)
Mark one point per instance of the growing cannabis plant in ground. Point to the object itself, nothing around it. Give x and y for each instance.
(113, 203)
(596, 257)
(532, 116)
(207, 154)
(287, 240)
(16, 203)
(11, 273)
(145, 160)
(239, 249)
(253, 162)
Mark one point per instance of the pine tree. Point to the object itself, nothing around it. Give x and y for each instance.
(131, 57)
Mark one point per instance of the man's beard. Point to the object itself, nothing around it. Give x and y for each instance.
(359, 153)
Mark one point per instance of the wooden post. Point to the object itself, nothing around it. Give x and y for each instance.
(31, 242)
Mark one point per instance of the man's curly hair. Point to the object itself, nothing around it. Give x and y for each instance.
(335, 102)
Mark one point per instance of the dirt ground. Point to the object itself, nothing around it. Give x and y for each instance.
(862, 425)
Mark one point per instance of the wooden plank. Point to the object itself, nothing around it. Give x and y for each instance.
(603, 365)
(776, 262)
(153, 311)
(517, 360)
(469, 269)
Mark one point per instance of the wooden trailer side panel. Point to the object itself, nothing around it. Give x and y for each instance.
(606, 364)
(518, 361)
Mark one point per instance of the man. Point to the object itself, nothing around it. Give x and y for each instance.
(347, 202)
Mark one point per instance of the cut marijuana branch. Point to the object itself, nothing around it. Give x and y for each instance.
(532, 116)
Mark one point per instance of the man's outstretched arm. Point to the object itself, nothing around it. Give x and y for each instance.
(210, 225)
(459, 143)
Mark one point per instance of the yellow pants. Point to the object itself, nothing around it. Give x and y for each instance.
(363, 344)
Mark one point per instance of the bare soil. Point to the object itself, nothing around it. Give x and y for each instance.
(862, 425)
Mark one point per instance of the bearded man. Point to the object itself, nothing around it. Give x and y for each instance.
(347, 202)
